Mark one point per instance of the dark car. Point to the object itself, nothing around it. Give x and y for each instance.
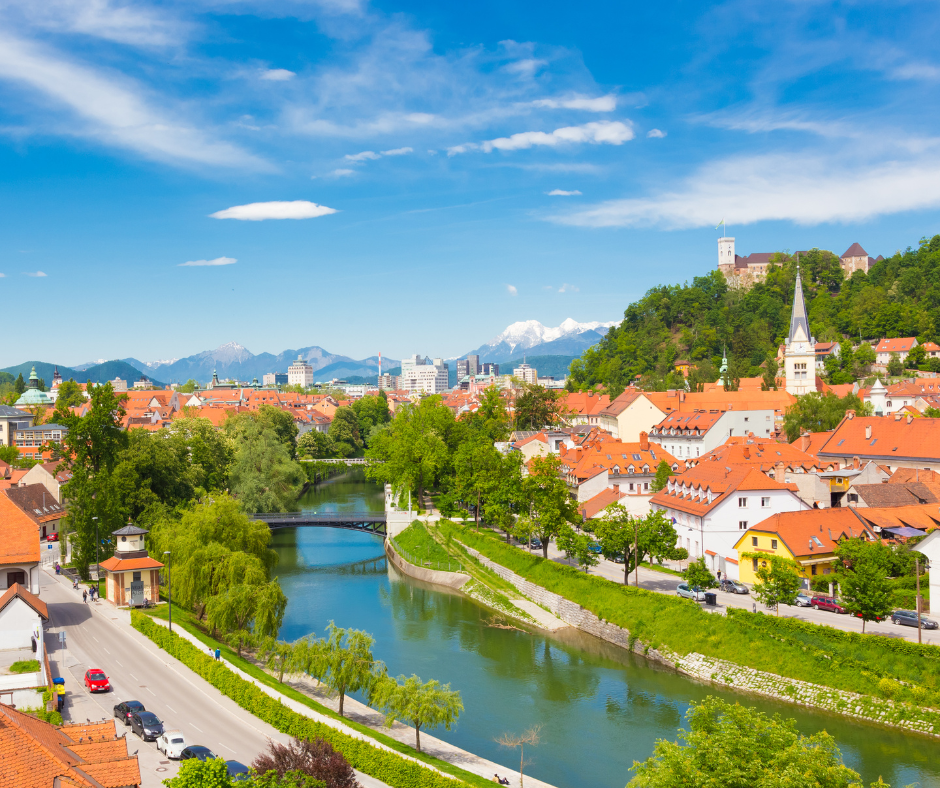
(908, 618)
(127, 709)
(733, 587)
(147, 725)
(199, 752)
(535, 543)
(96, 681)
(828, 603)
(237, 771)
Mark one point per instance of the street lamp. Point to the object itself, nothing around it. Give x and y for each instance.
(169, 585)
(97, 543)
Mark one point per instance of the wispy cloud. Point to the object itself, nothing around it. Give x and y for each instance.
(511, 289)
(806, 189)
(656, 134)
(366, 155)
(599, 104)
(563, 193)
(397, 151)
(596, 133)
(35, 273)
(277, 75)
(566, 288)
(259, 211)
(216, 261)
(2, 276)
(342, 173)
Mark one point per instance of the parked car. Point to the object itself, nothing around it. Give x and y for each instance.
(96, 681)
(594, 547)
(53, 537)
(127, 709)
(147, 725)
(618, 558)
(696, 594)
(171, 744)
(827, 603)
(803, 600)
(734, 587)
(536, 543)
(197, 751)
(237, 771)
(908, 618)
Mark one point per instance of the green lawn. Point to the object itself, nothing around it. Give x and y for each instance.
(25, 666)
(418, 547)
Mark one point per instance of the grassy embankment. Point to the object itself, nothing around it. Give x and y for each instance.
(417, 547)
(866, 664)
(186, 620)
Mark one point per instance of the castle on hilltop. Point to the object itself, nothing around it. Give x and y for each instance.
(745, 271)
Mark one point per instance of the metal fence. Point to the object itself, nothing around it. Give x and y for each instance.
(443, 566)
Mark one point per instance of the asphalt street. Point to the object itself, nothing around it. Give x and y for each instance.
(98, 635)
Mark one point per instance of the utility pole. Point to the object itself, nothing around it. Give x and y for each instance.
(636, 556)
(97, 542)
(917, 574)
(169, 584)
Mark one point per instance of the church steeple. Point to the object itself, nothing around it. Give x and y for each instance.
(800, 354)
(799, 322)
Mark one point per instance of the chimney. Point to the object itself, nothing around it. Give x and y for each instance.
(617, 489)
(867, 431)
(850, 414)
(747, 452)
(644, 442)
(856, 463)
(562, 450)
(681, 396)
(779, 472)
(910, 417)
(805, 439)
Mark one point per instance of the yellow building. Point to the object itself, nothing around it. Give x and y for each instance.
(809, 537)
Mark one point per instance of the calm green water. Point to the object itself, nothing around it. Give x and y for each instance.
(601, 708)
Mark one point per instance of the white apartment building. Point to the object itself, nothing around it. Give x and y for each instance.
(424, 375)
(300, 373)
(697, 433)
(526, 374)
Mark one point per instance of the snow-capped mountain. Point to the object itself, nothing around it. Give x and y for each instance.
(533, 338)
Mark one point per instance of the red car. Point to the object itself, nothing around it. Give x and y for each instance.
(96, 681)
(827, 603)
(53, 537)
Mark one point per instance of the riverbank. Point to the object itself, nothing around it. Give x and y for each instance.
(679, 634)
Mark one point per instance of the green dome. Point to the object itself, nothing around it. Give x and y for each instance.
(33, 397)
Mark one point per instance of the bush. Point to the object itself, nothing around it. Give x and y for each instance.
(389, 767)
(25, 666)
(315, 758)
(888, 688)
(820, 583)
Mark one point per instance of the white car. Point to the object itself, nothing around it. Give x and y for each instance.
(695, 594)
(171, 744)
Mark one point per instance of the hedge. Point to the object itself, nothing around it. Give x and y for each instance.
(390, 768)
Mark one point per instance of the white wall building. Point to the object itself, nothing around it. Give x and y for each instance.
(300, 373)
(799, 357)
(424, 375)
(526, 374)
(697, 433)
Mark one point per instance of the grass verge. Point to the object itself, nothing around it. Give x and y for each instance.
(187, 621)
(25, 666)
(418, 547)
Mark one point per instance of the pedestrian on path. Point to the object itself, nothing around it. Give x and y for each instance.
(85, 596)
(218, 655)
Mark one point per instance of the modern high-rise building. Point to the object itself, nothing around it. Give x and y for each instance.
(526, 374)
(422, 374)
(300, 373)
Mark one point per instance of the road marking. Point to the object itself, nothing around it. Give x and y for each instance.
(171, 708)
(226, 746)
(109, 653)
(118, 663)
(95, 639)
(198, 729)
(151, 691)
(134, 677)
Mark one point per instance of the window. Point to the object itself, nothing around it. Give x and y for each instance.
(754, 564)
(746, 419)
(812, 569)
(773, 544)
(631, 487)
(753, 541)
(742, 503)
(742, 525)
(646, 485)
(765, 501)
(136, 577)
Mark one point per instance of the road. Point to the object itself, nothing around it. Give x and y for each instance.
(99, 636)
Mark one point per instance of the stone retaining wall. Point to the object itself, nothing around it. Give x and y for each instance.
(450, 579)
(728, 674)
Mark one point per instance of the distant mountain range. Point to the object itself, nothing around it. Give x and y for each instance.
(97, 373)
(531, 337)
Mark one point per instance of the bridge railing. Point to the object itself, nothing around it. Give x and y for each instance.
(443, 566)
(331, 517)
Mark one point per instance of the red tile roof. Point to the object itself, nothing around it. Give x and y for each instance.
(809, 532)
(597, 504)
(19, 535)
(16, 591)
(691, 492)
(116, 564)
(890, 439)
(764, 454)
(901, 345)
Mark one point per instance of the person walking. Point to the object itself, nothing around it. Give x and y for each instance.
(218, 655)
(85, 596)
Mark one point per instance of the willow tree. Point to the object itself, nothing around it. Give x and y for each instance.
(423, 704)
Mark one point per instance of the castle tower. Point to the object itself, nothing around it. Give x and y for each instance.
(726, 256)
(799, 358)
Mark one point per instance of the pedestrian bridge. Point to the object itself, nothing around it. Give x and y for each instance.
(370, 522)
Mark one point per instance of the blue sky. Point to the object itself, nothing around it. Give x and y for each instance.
(457, 167)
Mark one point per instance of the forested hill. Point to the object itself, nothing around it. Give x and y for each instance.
(899, 297)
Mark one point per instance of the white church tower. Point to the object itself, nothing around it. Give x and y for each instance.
(799, 358)
(726, 256)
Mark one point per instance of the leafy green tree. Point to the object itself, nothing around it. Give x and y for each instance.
(653, 534)
(864, 358)
(315, 445)
(476, 466)
(188, 387)
(69, 395)
(343, 661)
(9, 454)
(769, 375)
(263, 476)
(697, 575)
(663, 472)
(371, 411)
(537, 407)
(549, 502)
(779, 580)
(423, 704)
(916, 357)
(734, 746)
(895, 366)
(210, 452)
(493, 414)
(245, 607)
(504, 492)
(864, 587)
(20, 385)
(344, 432)
(578, 546)
(817, 412)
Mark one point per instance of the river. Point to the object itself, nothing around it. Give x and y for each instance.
(600, 707)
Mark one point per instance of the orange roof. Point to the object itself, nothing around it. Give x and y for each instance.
(17, 591)
(614, 456)
(585, 403)
(115, 564)
(810, 532)
(930, 347)
(922, 516)
(909, 475)
(900, 345)
(599, 502)
(891, 438)
(702, 488)
(816, 441)
(762, 453)
(19, 535)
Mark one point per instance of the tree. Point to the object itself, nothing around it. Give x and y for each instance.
(476, 465)
(895, 366)
(425, 705)
(769, 375)
(537, 407)
(69, 395)
(371, 411)
(549, 503)
(663, 472)
(503, 491)
(815, 412)
(279, 656)
(520, 740)
(9, 454)
(618, 530)
(188, 387)
(209, 451)
(915, 357)
(19, 386)
(315, 758)
(697, 575)
(344, 432)
(263, 476)
(864, 358)
(315, 445)
(779, 580)
(246, 606)
(578, 546)
(863, 569)
(343, 661)
(734, 746)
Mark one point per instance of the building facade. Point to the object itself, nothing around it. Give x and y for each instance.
(423, 375)
(799, 357)
(274, 379)
(300, 373)
(526, 374)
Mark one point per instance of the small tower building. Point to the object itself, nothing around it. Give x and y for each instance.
(726, 258)
(132, 575)
(799, 357)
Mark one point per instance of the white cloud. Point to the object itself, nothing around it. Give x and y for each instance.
(341, 173)
(606, 103)
(2, 276)
(113, 109)
(566, 288)
(35, 273)
(397, 151)
(596, 133)
(656, 134)
(277, 75)
(805, 189)
(365, 155)
(563, 193)
(511, 289)
(924, 71)
(259, 211)
(216, 261)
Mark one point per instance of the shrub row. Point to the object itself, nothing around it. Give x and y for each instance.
(386, 766)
